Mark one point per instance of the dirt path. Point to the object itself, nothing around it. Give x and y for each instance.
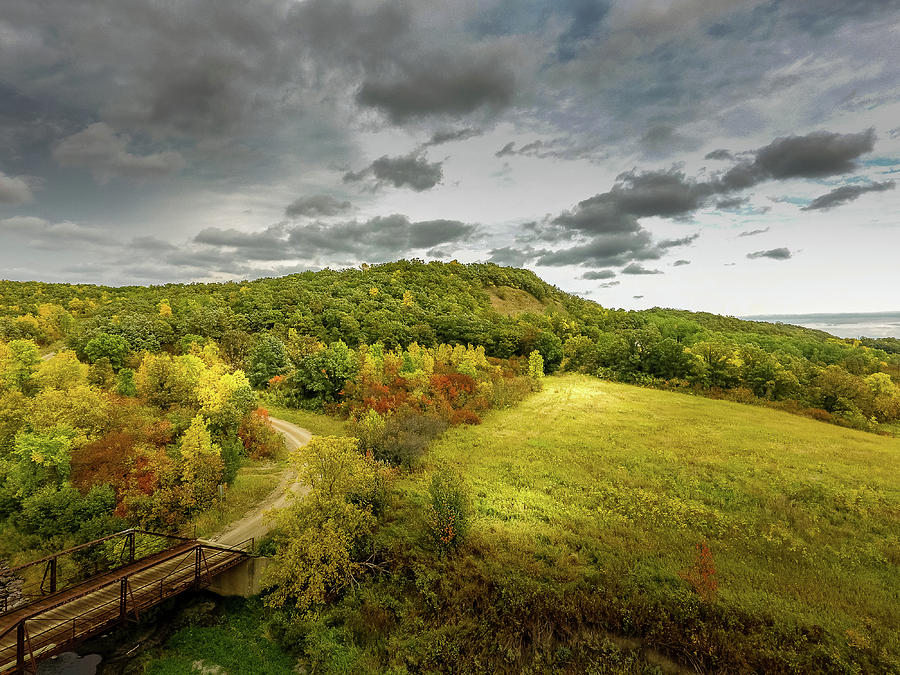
(256, 523)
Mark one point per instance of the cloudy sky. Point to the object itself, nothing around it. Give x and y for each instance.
(736, 156)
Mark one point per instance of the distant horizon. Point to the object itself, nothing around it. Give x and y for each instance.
(840, 324)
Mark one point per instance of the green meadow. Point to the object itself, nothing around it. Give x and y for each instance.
(593, 497)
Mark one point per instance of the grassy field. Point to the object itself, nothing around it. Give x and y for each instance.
(599, 485)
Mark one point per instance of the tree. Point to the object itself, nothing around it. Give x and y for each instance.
(81, 408)
(201, 466)
(41, 458)
(19, 363)
(125, 385)
(321, 376)
(225, 399)
(112, 347)
(448, 513)
(535, 365)
(322, 537)
(62, 371)
(267, 360)
(167, 381)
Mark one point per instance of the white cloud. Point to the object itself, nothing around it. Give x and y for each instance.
(14, 190)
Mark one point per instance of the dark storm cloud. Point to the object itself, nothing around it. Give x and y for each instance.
(598, 274)
(719, 154)
(773, 253)
(442, 84)
(225, 68)
(681, 241)
(611, 220)
(815, 155)
(508, 149)
(846, 193)
(47, 235)
(409, 170)
(429, 233)
(663, 140)
(753, 233)
(380, 238)
(316, 206)
(105, 154)
(637, 195)
(268, 244)
(637, 268)
(511, 256)
(441, 137)
(680, 263)
(604, 250)
(413, 171)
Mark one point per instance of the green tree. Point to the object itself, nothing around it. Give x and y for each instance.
(113, 347)
(535, 365)
(125, 385)
(41, 458)
(61, 371)
(321, 376)
(268, 359)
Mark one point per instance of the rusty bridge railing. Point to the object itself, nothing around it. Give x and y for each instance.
(54, 623)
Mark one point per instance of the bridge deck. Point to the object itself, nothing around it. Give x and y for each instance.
(54, 623)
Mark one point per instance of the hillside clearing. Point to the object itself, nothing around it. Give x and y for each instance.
(616, 485)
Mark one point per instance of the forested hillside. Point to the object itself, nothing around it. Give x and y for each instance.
(509, 312)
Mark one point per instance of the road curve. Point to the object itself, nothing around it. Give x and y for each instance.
(256, 523)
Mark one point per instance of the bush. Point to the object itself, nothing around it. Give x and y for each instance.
(259, 437)
(448, 513)
(400, 438)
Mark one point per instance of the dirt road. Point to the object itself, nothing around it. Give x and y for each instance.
(256, 523)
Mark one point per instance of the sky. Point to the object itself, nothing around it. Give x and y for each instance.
(738, 157)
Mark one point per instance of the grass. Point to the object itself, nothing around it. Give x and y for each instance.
(317, 423)
(237, 643)
(254, 482)
(511, 301)
(610, 485)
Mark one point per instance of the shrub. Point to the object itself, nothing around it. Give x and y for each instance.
(448, 513)
(259, 437)
(407, 435)
(535, 365)
(701, 575)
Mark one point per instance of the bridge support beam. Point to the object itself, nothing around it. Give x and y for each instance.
(244, 579)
